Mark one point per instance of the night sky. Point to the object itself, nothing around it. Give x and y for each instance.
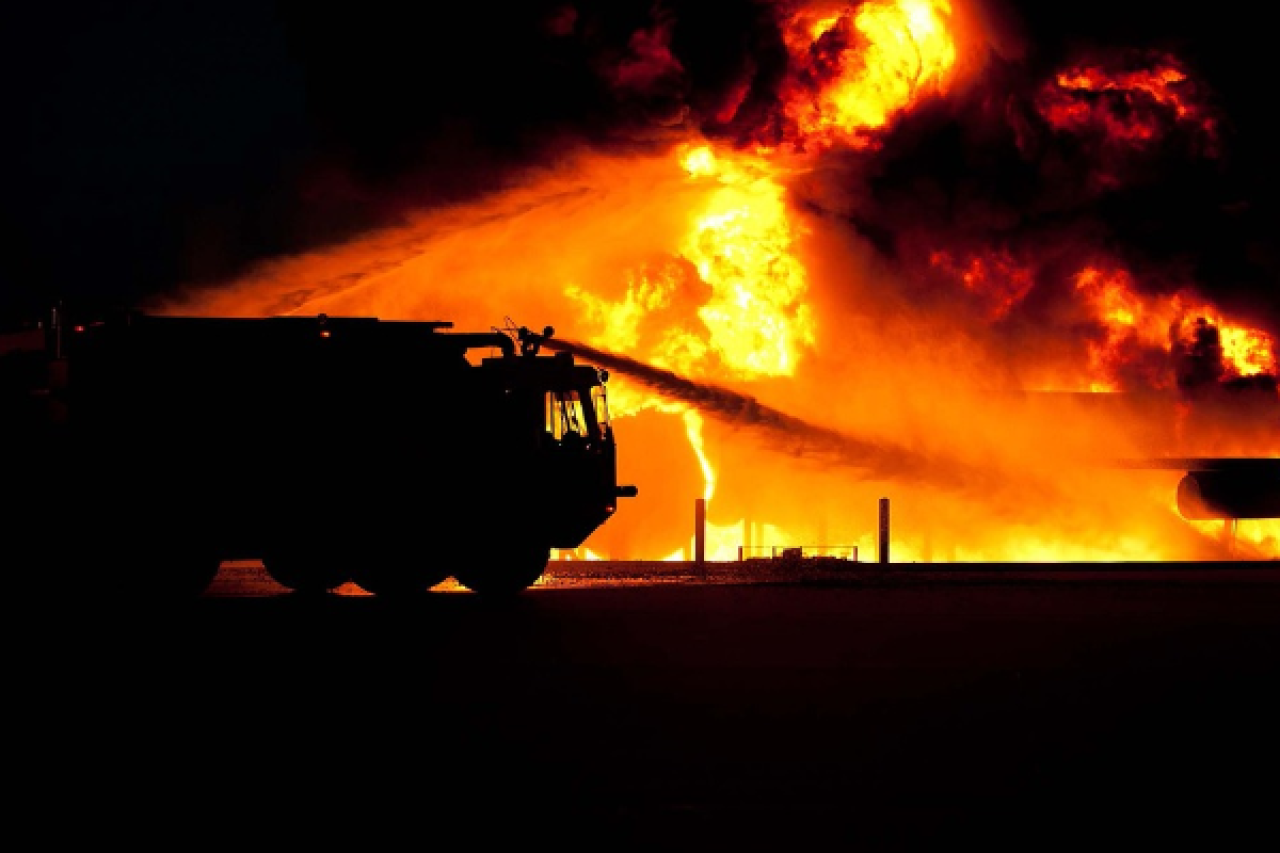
(154, 144)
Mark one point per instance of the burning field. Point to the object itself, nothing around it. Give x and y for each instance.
(893, 252)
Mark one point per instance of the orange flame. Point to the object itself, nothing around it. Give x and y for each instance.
(994, 277)
(1126, 107)
(1131, 321)
(859, 67)
(696, 259)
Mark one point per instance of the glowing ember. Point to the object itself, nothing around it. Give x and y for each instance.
(995, 278)
(1176, 323)
(1125, 105)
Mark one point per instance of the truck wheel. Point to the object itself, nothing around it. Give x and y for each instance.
(389, 577)
(306, 570)
(516, 569)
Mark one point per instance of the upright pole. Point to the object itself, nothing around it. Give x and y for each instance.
(884, 530)
(699, 530)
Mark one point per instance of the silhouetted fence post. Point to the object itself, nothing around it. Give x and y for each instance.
(699, 530)
(884, 530)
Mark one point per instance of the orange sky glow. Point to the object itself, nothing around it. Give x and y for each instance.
(986, 406)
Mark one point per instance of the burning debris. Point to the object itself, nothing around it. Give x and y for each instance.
(898, 233)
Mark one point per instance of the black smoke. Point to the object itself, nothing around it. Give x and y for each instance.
(156, 145)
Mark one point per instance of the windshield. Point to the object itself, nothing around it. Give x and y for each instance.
(567, 416)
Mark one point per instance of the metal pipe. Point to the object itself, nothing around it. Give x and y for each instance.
(699, 530)
(884, 530)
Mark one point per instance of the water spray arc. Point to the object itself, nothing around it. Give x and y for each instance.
(784, 433)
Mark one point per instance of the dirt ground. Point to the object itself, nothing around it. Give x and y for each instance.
(1011, 710)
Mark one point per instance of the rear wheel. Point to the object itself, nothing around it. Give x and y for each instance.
(514, 569)
(390, 574)
(392, 557)
(311, 570)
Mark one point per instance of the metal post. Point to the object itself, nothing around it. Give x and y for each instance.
(884, 530)
(699, 530)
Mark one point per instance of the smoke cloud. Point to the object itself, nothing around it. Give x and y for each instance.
(1060, 217)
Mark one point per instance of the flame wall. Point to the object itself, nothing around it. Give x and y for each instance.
(890, 251)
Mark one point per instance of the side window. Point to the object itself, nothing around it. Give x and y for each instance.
(565, 416)
(600, 400)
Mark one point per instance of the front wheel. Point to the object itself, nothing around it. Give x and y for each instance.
(392, 565)
(514, 570)
(390, 576)
(307, 570)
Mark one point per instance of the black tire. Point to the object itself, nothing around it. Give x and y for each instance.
(508, 573)
(391, 575)
(308, 571)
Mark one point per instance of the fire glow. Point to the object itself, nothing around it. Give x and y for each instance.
(775, 360)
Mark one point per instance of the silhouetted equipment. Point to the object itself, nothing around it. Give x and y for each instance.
(882, 537)
(700, 530)
(391, 454)
(1221, 487)
(1230, 489)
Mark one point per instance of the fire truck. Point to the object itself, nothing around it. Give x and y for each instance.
(392, 454)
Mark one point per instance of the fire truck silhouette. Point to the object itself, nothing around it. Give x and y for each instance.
(391, 454)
